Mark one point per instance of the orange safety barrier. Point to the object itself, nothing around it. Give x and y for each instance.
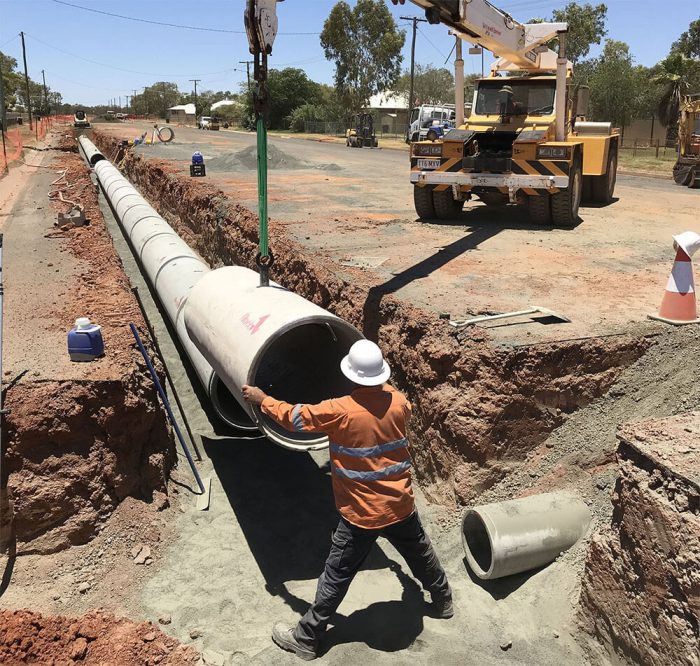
(13, 147)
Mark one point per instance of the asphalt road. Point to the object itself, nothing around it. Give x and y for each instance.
(355, 207)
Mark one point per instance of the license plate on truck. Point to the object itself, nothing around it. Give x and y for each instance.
(428, 164)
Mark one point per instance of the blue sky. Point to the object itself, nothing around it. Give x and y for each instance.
(152, 53)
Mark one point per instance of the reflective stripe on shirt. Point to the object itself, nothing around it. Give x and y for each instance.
(375, 475)
(368, 451)
(296, 418)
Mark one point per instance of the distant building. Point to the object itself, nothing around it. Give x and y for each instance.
(182, 113)
(389, 110)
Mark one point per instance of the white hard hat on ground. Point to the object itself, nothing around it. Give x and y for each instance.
(365, 364)
(688, 241)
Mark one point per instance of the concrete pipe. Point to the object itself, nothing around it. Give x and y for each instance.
(172, 269)
(271, 338)
(510, 537)
(90, 152)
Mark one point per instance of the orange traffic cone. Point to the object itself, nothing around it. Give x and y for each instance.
(679, 305)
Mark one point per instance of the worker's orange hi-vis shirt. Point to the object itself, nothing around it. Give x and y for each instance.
(370, 462)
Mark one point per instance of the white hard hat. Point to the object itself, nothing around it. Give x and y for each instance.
(688, 241)
(365, 364)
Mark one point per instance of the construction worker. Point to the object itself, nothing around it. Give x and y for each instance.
(507, 105)
(370, 469)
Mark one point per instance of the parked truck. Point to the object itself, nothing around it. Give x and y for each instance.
(425, 117)
(526, 141)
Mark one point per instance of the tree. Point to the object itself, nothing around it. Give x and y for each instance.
(430, 85)
(676, 74)
(689, 42)
(156, 99)
(12, 80)
(365, 45)
(613, 85)
(586, 27)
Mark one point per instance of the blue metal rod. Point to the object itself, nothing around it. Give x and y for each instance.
(166, 403)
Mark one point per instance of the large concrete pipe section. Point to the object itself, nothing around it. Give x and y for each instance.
(271, 338)
(172, 269)
(90, 151)
(510, 537)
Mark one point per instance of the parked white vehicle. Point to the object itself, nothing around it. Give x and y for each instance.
(426, 116)
(204, 122)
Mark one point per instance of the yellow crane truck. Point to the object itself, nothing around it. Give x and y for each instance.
(686, 170)
(526, 141)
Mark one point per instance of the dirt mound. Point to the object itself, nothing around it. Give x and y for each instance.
(92, 639)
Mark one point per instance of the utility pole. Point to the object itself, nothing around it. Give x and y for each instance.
(247, 64)
(162, 88)
(415, 20)
(3, 114)
(195, 81)
(120, 102)
(459, 83)
(26, 80)
(47, 110)
(134, 92)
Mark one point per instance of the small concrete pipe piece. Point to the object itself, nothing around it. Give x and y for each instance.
(172, 269)
(510, 537)
(271, 338)
(90, 151)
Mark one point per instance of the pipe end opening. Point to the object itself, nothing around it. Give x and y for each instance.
(477, 544)
(302, 366)
(227, 407)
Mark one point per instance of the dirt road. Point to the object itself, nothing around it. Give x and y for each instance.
(356, 206)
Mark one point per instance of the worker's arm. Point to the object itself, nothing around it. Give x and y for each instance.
(321, 417)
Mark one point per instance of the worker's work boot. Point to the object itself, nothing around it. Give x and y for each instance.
(283, 636)
(443, 609)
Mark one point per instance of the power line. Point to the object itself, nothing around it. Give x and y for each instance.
(427, 39)
(120, 69)
(165, 24)
(12, 39)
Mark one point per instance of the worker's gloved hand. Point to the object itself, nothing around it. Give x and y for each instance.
(253, 394)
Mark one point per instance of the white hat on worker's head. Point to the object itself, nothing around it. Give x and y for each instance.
(506, 89)
(688, 241)
(365, 364)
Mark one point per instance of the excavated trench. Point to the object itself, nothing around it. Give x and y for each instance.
(479, 410)
(78, 438)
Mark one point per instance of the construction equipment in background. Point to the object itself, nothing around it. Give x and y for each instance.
(363, 132)
(80, 119)
(526, 141)
(424, 117)
(686, 170)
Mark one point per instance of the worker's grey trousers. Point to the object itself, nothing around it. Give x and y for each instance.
(350, 547)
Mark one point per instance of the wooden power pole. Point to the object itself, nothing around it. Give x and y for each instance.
(26, 80)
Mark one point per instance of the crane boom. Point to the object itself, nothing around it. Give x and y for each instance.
(483, 24)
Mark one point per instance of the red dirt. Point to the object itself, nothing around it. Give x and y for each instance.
(94, 639)
(80, 436)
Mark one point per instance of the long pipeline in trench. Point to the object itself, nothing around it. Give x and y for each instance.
(233, 331)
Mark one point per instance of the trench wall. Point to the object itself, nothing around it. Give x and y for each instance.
(641, 587)
(76, 443)
(478, 409)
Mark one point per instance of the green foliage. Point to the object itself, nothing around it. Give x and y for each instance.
(677, 74)
(306, 112)
(613, 85)
(365, 44)
(12, 80)
(431, 85)
(586, 27)
(289, 89)
(689, 42)
(156, 99)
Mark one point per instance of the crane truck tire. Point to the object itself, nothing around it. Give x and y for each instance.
(423, 202)
(565, 203)
(603, 187)
(682, 174)
(539, 209)
(446, 208)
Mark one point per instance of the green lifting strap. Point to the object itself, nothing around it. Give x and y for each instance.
(262, 184)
